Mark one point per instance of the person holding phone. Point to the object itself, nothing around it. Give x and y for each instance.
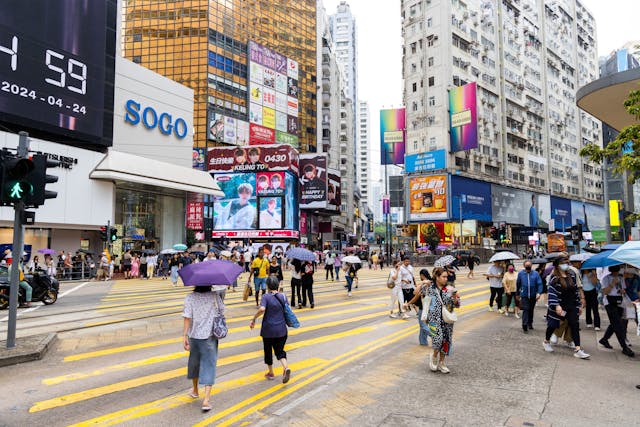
(564, 303)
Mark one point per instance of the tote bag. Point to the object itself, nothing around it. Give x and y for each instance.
(289, 316)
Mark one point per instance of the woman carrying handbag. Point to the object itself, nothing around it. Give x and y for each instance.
(441, 298)
(274, 328)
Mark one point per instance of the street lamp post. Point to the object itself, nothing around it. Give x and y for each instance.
(460, 236)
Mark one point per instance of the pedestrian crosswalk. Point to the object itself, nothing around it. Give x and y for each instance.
(143, 382)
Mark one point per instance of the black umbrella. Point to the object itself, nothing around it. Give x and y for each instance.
(553, 255)
(149, 252)
(502, 250)
(537, 260)
(85, 251)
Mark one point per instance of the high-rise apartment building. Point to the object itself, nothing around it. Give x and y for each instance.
(364, 154)
(203, 44)
(343, 30)
(528, 59)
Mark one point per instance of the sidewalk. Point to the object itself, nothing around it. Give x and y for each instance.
(499, 376)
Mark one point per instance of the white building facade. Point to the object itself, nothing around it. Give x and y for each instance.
(528, 59)
(365, 165)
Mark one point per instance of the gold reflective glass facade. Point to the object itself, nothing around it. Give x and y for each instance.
(203, 44)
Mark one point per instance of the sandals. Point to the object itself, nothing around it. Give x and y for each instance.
(269, 376)
(206, 408)
(193, 396)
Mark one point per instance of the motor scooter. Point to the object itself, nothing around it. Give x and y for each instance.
(45, 289)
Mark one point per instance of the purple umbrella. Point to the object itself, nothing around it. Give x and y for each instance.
(210, 273)
(46, 251)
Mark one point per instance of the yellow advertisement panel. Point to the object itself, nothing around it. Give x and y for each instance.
(614, 213)
(268, 117)
(428, 197)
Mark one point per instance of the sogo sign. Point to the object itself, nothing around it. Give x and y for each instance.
(151, 120)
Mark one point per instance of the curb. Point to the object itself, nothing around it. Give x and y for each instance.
(27, 349)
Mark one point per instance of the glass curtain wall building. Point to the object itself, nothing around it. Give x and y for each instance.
(203, 44)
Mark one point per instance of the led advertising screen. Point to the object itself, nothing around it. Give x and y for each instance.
(263, 158)
(256, 205)
(474, 197)
(463, 118)
(428, 197)
(273, 96)
(313, 181)
(392, 136)
(57, 62)
(334, 196)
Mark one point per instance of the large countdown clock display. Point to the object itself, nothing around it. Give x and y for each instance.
(57, 68)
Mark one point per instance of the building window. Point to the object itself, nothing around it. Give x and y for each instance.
(430, 62)
(432, 101)
(432, 81)
(414, 86)
(429, 22)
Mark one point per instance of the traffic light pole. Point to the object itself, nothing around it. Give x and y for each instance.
(16, 250)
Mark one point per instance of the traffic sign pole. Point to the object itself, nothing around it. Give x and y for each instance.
(16, 250)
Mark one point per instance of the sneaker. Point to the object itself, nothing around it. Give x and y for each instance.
(589, 325)
(554, 339)
(490, 308)
(348, 294)
(404, 316)
(525, 328)
(312, 305)
(500, 311)
(393, 315)
(269, 376)
(605, 343)
(627, 352)
(580, 354)
(597, 328)
(517, 316)
(443, 368)
(570, 344)
(547, 347)
(432, 364)
(506, 314)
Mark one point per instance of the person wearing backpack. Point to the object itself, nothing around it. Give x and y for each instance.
(274, 328)
(307, 283)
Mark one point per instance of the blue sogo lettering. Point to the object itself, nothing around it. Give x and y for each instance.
(151, 120)
(132, 116)
(166, 129)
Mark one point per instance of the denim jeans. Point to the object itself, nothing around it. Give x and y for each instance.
(203, 358)
(424, 330)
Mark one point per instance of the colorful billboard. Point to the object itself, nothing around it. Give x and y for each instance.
(249, 210)
(273, 92)
(392, 136)
(263, 158)
(227, 129)
(463, 118)
(590, 216)
(561, 212)
(428, 197)
(313, 181)
(425, 162)
(334, 197)
(475, 197)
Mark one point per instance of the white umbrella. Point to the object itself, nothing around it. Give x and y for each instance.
(503, 256)
(351, 259)
(629, 253)
(168, 252)
(444, 261)
(581, 257)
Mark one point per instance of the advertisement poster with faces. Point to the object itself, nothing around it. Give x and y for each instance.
(334, 198)
(270, 183)
(270, 216)
(237, 209)
(313, 178)
(273, 90)
(428, 197)
(227, 129)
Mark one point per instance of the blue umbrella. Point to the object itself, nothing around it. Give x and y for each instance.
(600, 260)
(611, 246)
(301, 253)
(210, 273)
(629, 253)
(180, 247)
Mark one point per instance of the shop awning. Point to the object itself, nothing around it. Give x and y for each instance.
(124, 167)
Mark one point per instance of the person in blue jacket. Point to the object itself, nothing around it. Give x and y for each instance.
(529, 286)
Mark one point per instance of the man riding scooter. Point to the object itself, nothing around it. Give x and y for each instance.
(28, 290)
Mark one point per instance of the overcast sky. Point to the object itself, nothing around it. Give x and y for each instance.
(380, 47)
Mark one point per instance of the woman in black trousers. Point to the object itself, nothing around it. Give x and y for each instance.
(307, 283)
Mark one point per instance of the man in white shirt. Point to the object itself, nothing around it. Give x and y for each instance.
(494, 274)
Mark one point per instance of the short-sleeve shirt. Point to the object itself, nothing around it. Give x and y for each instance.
(495, 282)
(405, 277)
(616, 291)
(263, 265)
(273, 322)
(200, 307)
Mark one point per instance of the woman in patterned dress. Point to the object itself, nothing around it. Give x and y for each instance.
(441, 332)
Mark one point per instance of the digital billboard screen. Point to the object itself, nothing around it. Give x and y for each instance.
(392, 136)
(428, 197)
(57, 66)
(463, 117)
(237, 209)
(313, 178)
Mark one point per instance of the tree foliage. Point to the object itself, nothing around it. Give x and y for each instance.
(630, 161)
(431, 237)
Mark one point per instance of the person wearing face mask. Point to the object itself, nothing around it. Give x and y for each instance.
(613, 289)
(511, 290)
(529, 287)
(564, 303)
(591, 288)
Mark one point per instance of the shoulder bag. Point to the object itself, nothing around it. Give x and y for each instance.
(426, 306)
(447, 316)
(289, 316)
(390, 282)
(220, 329)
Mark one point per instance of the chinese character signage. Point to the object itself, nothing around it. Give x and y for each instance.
(263, 158)
(463, 118)
(273, 94)
(425, 162)
(392, 136)
(428, 197)
(195, 215)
